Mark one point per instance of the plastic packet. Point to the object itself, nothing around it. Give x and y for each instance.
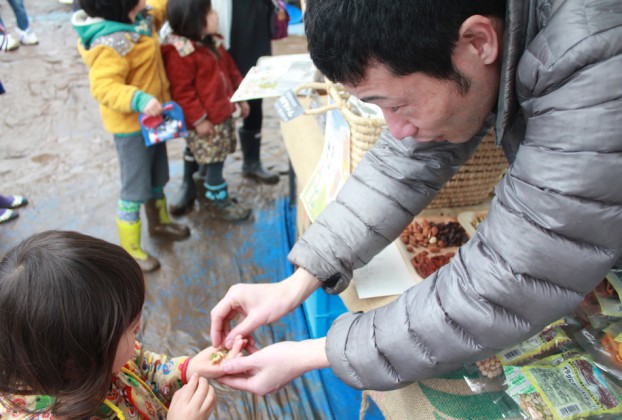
(567, 388)
(608, 299)
(548, 341)
(486, 375)
(604, 350)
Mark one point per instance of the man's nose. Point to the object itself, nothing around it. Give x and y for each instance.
(399, 126)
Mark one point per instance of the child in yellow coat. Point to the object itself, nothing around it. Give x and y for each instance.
(119, 43)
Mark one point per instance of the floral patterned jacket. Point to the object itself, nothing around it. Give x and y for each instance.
(143, 389)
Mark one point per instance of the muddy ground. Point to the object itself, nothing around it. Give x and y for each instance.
(54, 151)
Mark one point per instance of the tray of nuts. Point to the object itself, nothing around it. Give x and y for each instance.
(471, 219)
(430, 243)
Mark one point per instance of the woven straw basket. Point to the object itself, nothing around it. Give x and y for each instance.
(471, 185)
(474, 182)
(363, 131)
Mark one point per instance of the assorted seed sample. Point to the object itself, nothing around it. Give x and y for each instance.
(435, 237)
(490, 367)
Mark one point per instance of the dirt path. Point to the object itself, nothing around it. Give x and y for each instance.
(54, 150)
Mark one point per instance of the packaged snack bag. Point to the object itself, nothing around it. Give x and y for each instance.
(546, 342)
(563, 389)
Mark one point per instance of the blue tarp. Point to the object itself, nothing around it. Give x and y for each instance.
(325, 392)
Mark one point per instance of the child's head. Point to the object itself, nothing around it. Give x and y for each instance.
(193, 19)
(67, 301)
(115, 10)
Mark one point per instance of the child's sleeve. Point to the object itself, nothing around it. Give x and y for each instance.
(182, 73)
(107, 74)
(165, 375)
(158, 12)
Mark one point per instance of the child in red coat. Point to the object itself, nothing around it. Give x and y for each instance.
(203, 78)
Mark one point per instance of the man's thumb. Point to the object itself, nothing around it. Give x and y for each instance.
(235, 366)
(244, 329)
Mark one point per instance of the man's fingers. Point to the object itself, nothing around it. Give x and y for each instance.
(237, 365)
(239, 382)
(244, 328)
(221, 315)
(252, 348)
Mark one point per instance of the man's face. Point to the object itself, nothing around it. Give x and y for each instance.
(426, 108)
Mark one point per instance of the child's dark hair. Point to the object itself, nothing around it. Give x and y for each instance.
(66, 299)
(115, 10)
(187, 19)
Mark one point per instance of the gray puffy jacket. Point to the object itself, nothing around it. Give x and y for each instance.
(552, 232)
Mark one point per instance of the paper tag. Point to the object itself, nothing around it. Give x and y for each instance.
(288, 106)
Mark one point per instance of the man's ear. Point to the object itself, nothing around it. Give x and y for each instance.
(481, 35)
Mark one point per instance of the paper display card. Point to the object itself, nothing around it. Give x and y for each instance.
(273, 76)
(385, 275)
(333, 168)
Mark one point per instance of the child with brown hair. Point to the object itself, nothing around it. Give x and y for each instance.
(203, 78)
(71, 309)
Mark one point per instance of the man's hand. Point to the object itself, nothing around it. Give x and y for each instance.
(204, 128)
(258, 304)
(273, 367)
(153, 108)
(194, 401)
(203, 363)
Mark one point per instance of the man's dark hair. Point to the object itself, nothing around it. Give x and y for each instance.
(407, 36)
(114, 10)
(66, 299)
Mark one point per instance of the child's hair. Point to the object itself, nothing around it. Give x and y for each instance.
(114, 10)
(66, 299)
(187, 19)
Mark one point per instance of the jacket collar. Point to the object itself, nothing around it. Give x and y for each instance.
(524, 19)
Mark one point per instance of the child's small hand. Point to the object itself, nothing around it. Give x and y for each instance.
(153, 108)
(194, 401)
(208, 366)
(204, 128)
(246, 109)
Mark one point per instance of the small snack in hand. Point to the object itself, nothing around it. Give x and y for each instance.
(218, 356)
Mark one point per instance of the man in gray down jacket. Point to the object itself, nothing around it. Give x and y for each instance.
(548, 76)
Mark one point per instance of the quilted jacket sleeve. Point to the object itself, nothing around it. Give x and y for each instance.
(107, 73)
(552, 232)
(400, 178)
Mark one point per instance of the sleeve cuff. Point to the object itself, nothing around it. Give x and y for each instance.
(140, 101)
(184, 368)
(200, 120)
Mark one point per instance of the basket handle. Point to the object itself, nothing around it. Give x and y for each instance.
(337, 104)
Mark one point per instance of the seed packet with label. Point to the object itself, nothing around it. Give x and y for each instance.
(573, 388)
(546, 342)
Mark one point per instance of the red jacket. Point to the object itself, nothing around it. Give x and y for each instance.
(201, 82)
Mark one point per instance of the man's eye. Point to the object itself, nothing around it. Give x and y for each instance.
(395, 108)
